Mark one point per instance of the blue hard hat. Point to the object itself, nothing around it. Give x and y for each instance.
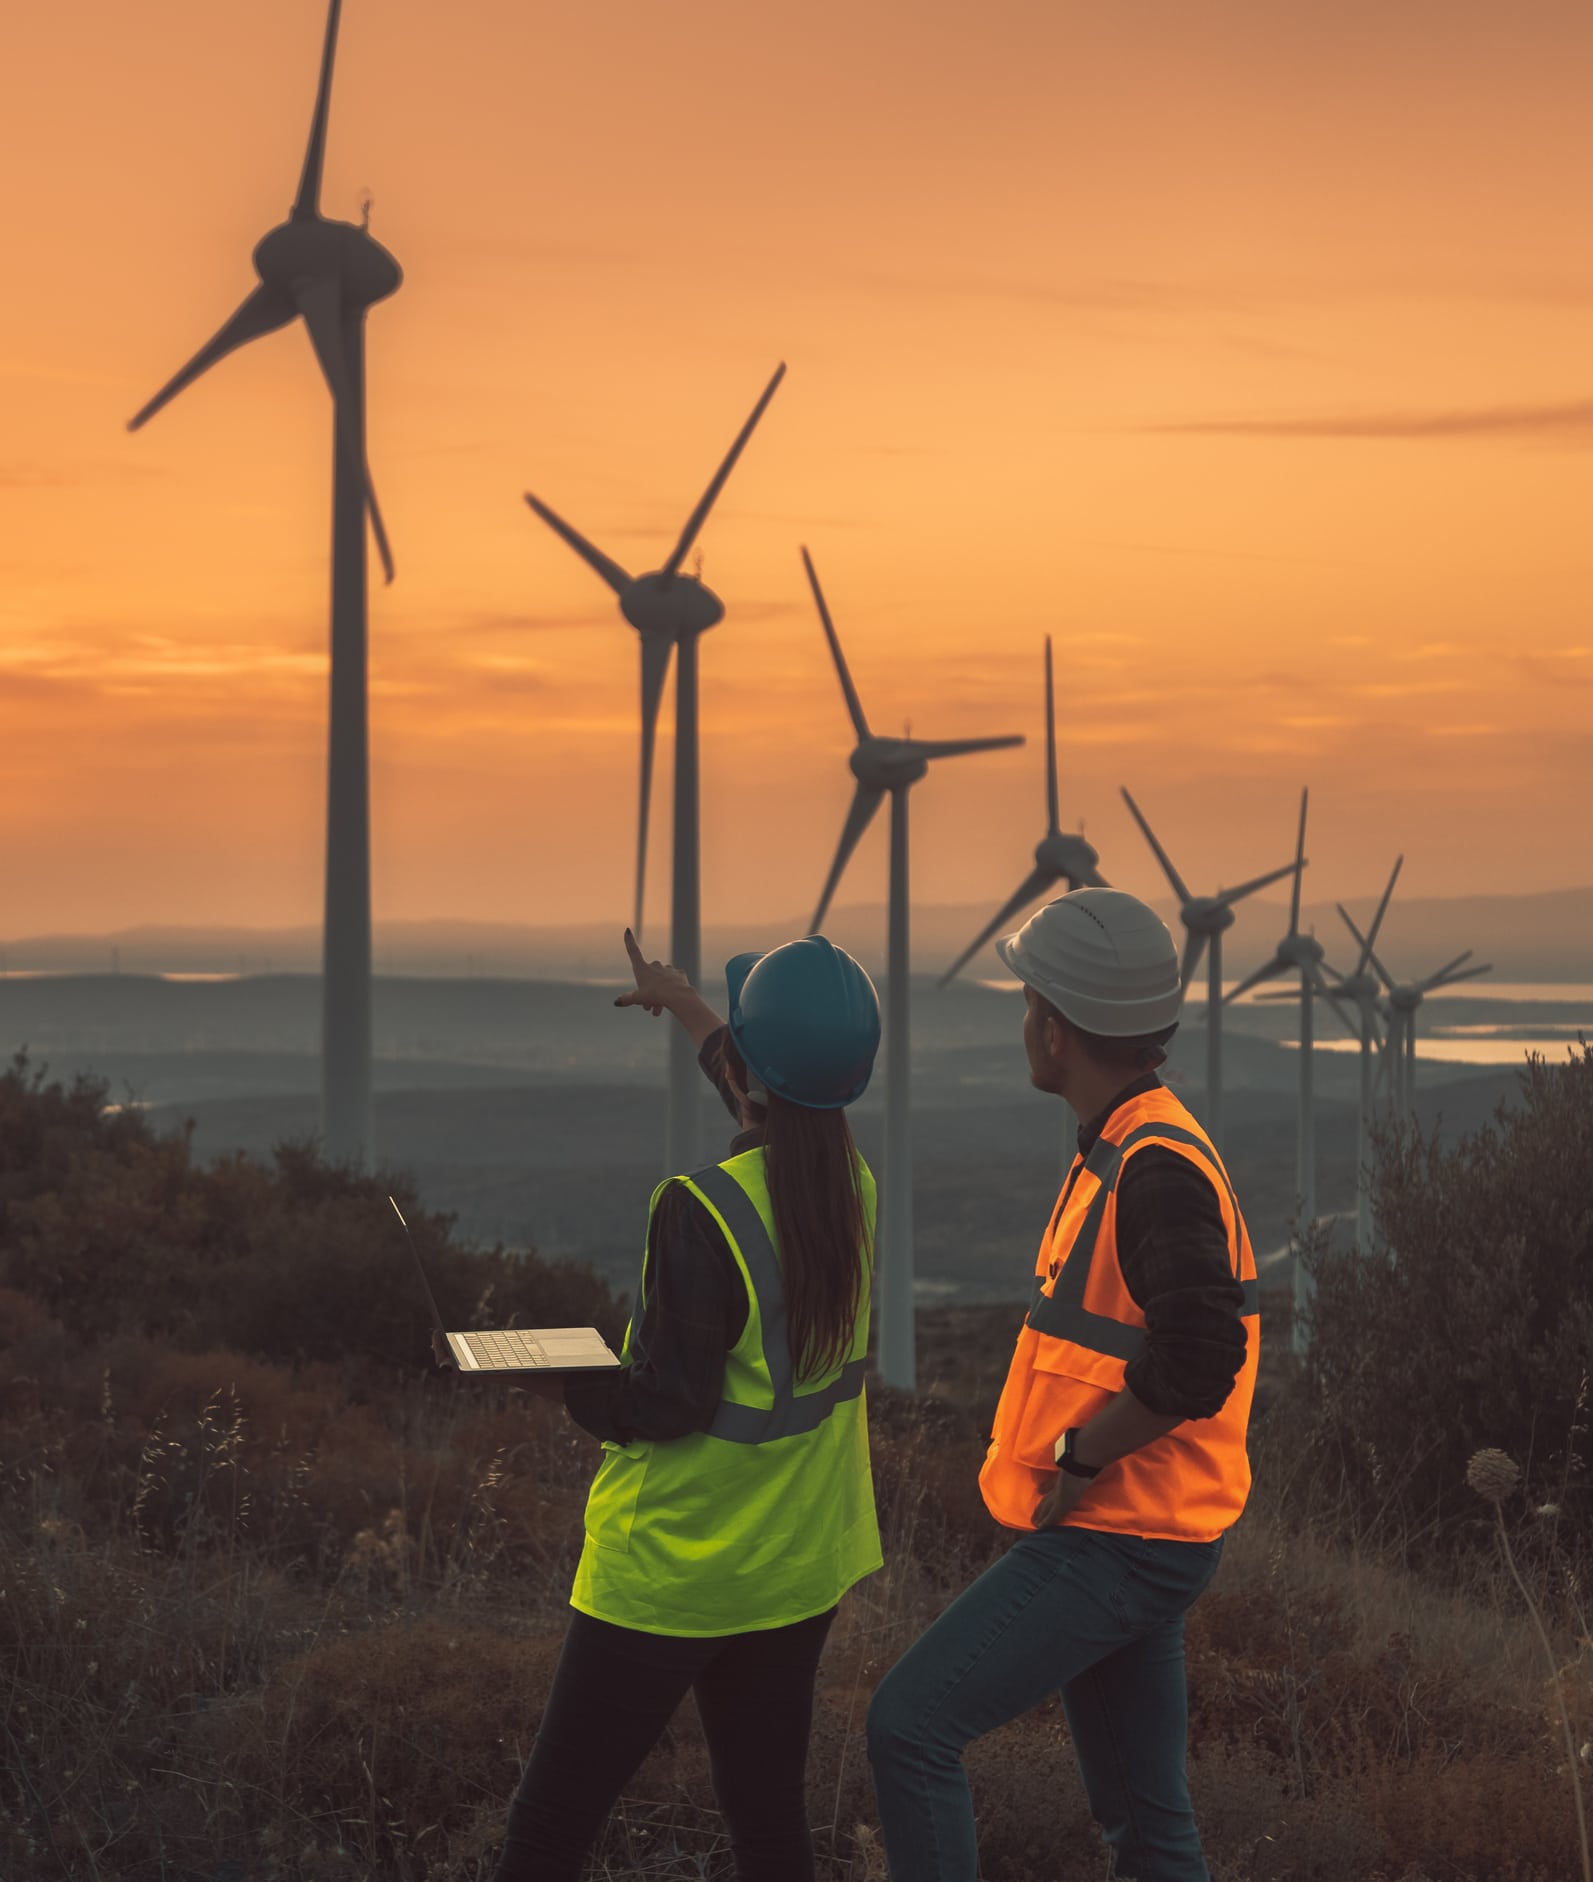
(805, 1017)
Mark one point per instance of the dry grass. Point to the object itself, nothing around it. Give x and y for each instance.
(283, 1627)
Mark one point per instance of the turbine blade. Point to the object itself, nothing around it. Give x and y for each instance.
(656, 649)
(853, 704)
(1381, 971)
(1382, 907)
(1383, 1059)
(1230, 896)
(1299, 867)
(1277, 965)
(1035, 884)
(1194, 948)
(1471, 973)
(1443, 972)
(589, 553)
(1162, 857)
(1055, 826)
(700, 515)
(1320, 986)
(1360, 939)
(321, 304)
(308, 201)
(959, 747)
(262, 313)
(865, 801)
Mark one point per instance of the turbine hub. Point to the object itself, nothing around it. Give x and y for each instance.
(1301, 950)
(1405, 999)
(675, 605)
(1362, 988)
(886, 764)
(1065, 855)
(313, 248)
(1206, 914)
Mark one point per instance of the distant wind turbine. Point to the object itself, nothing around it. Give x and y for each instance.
(1363, 988)
(1305, 955)
(1399, 1061)
(892, 765)
(1206, 919)
(327, 274)
(1059, 856)
(669, 610)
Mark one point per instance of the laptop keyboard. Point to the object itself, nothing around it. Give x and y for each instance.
(530, 1352)
(494, 1351)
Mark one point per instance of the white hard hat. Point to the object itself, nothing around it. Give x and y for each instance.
(1104, 960)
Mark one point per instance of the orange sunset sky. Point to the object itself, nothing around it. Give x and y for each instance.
(1243, 348)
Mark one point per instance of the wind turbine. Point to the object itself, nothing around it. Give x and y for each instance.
(328, 273)
(894, 765)
(669, 610)
(1058, 856)
(1399, 1062)
(1207, 918)
(1305, 955)
(1363, 988)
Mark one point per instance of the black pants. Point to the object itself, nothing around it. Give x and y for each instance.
(614, 1692)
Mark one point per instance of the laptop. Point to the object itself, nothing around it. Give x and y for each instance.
(521, 1349)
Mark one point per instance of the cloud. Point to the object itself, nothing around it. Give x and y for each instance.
(1570, 419)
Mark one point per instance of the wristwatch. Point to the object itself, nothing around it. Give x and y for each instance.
(1067, 1459)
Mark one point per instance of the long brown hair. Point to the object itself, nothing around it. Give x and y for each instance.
(820, 1223)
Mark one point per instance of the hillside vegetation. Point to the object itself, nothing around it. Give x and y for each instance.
(280, 1601)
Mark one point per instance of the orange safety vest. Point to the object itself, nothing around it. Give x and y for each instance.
(1082, 1330)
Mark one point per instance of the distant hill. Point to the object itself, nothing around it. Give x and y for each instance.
(1543, 937)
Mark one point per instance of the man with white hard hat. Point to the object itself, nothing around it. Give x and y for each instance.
(1119, 1444)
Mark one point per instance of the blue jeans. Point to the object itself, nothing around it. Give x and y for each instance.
(1096, 1617)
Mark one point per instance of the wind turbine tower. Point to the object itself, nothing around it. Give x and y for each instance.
(1059, 856)
(1206, 919)
(1305, 955)
(327, 274)
(669, 611)
(893, 765)
(1363, 988)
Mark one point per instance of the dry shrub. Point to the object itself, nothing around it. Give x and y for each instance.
(390, 1734)
(1470, 1326)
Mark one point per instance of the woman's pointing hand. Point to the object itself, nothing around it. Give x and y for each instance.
(657, 985)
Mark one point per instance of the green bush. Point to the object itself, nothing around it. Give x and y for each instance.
(1471, 1325)
(115, 1229)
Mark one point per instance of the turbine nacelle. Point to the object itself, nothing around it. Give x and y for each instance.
(1207, 914)
(315, 249)
(1066, 857)
(673, 605)
(1364, 989)
(888, 764)
(1301, 950)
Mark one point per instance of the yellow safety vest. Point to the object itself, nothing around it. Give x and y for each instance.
(767, 1517)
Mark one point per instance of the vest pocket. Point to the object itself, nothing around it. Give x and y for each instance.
(1065, 1359)
(616, 1490)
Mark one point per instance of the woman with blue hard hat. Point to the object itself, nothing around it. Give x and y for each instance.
(733, 1506)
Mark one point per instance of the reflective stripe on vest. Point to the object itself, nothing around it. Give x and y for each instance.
(1062, 1312)
(792, 1413)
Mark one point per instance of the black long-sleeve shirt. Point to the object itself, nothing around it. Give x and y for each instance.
(1172, 1247)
